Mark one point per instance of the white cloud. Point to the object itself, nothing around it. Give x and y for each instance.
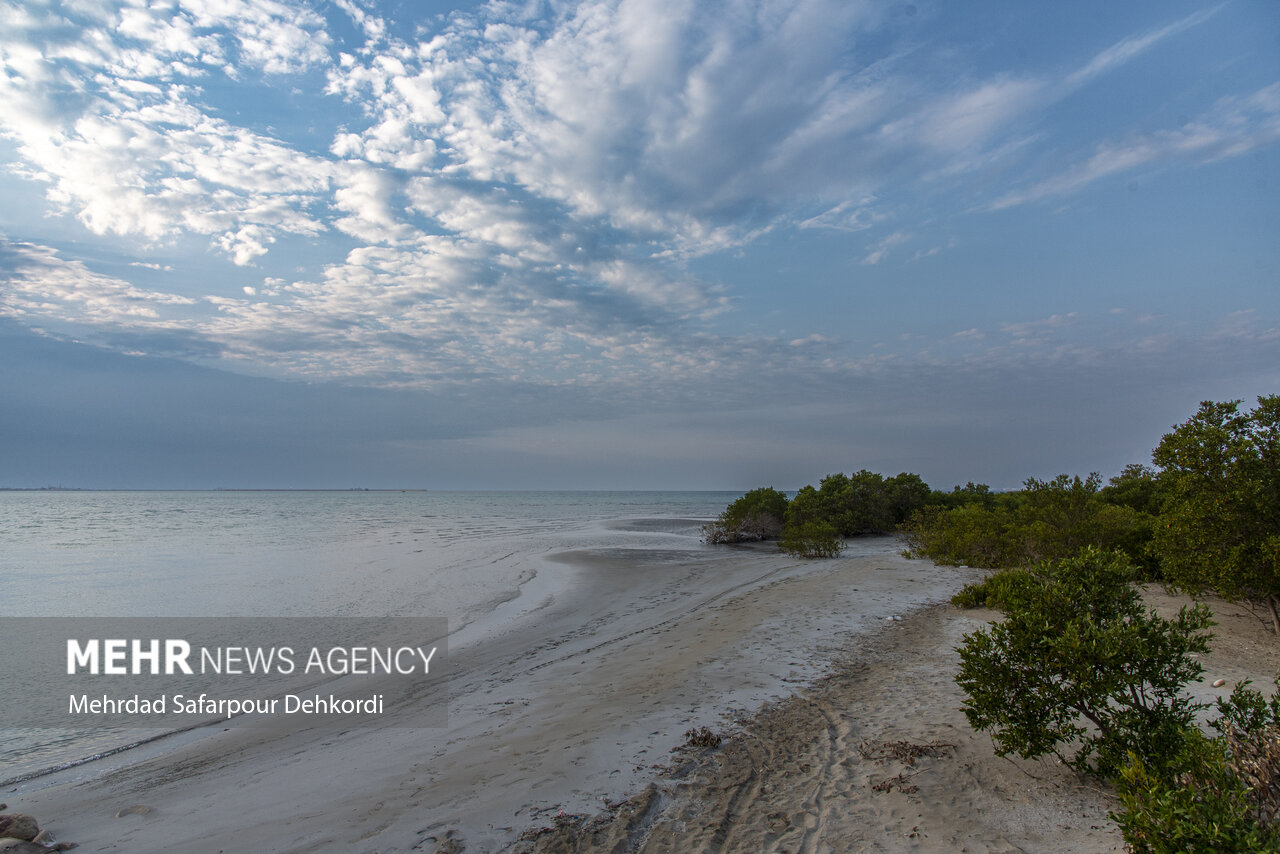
(1132, 47)
(964, 120)
(36, 285)
(933, 250)
(106, 115)
(374, 28)
(1031, 329)
(363, 194)
(672, 119)
(516, 198)
(850, 215)
(277, 37)
(1235, 126)
(881, 249)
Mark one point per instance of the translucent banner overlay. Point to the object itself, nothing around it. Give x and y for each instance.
(291, 672)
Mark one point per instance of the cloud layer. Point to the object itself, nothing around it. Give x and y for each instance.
(522, 194)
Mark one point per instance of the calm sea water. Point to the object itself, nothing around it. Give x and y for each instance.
(277, 554)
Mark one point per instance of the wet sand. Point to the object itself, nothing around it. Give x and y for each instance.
(572, 697)
(877, 756)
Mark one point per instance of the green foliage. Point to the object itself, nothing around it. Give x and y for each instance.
(970, 493)
(905, 493)
(1219, 526)
(1248, 710)
(1047, 520)
(846, 506)
(1136, 487)
(1220, 794)
(758, 515)
(1193, 802)
(1079, 664)
(812, 539)
(861, 503)
(995, 591)
(1063, 515)
(971, 534)
(1250, 733)
(807, 506)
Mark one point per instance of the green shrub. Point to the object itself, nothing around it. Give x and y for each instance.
(994, 591)
(969, 535)
(1248, 710)
(1214, 795)
(1192, 801)
(970, 493)
(811, 540)
(1219, 526)
(758, 515)
(1079, 668)
(861, 503)
(1047, 520)
(1136, 487)
(971, 596)
(1250, 728)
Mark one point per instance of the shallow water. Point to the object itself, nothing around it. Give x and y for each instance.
(276, 554)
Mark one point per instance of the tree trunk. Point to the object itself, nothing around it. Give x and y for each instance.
(1274, 601)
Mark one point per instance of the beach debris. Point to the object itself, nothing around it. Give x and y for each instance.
(700, 738)
(1219, 683)
(563, 822)
(899, 782)
(906, 752)
(18, 826)
(136, 809)
(903, 751)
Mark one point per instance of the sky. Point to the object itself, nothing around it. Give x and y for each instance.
(627, 244)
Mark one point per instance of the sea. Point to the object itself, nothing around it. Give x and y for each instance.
(350, 553)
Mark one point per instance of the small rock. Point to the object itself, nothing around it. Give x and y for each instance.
(1219, 683)
(9, 845)
(136, 809)
(19, 826)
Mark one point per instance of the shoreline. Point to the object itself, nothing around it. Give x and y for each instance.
(878, 756)
(579, 701)
(616, 654)
(489, 618)
(874, 756)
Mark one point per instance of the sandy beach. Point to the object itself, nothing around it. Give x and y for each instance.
(829, 681)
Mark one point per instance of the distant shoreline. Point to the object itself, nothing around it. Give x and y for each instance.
(213, 489)
(346, 489)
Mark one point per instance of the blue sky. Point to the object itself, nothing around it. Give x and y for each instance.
(631, 244)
